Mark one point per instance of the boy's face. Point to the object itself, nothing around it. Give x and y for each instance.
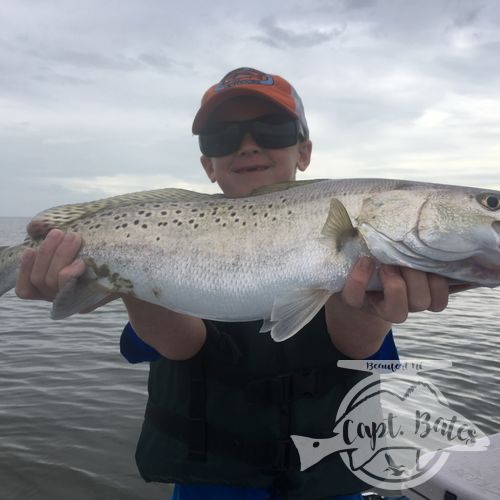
(252, 166)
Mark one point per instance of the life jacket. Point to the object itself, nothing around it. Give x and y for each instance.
(225, 416)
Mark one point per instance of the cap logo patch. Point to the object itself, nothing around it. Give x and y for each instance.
(244, 76)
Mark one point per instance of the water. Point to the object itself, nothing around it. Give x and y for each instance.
(71, 407)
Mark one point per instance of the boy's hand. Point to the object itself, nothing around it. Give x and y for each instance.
(44, 271)
(404, 290)
(358, 321)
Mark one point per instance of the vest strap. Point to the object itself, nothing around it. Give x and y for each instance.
(196, 438)
(278, 455)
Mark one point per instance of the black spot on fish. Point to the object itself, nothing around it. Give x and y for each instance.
(233, 214)
(157, 238)
(148, 214)
(163, 212)
(217, 220)
(289, 212)
(266, 214)
(136, 222)
(194, 210)
(128, 235)
(201, 215)
(270, 205)
(124, 224)
(196, 225)
(144, 226)
(191, 221)
(224, 224)
(178, 211)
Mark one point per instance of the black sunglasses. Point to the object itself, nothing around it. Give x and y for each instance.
(270, 132)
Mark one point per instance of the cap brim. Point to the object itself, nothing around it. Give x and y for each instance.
(201, 118)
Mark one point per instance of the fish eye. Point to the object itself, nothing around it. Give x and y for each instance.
(490, 201)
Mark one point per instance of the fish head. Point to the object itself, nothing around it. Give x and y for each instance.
(461, 221)
(447, 230)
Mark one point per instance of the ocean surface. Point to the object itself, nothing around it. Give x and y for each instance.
(71, 407)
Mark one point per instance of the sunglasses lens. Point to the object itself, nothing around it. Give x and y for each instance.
(272, 132)
(221, 141)
(275, 135)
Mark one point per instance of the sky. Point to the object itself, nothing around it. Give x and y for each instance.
(97, 97)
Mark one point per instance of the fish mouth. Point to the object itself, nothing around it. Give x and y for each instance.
(248, 169)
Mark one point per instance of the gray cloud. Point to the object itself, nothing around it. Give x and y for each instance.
(277, 36)
(97, 90)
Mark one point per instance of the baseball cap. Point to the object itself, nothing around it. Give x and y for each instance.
(250, 81)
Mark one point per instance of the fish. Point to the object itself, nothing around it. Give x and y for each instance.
(275, 255)
(392, 425)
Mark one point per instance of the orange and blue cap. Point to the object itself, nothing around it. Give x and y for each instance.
(249, 81)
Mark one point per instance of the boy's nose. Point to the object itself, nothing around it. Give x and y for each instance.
(248, 145)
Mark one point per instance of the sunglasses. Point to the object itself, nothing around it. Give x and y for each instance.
(269, 132)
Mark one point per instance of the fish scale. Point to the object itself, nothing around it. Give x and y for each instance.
(276, 255)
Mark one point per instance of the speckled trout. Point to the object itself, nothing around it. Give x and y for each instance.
(277, 254)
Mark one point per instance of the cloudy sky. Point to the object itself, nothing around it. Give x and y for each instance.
(97, 96)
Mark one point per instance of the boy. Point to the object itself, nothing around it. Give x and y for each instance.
(224, 399)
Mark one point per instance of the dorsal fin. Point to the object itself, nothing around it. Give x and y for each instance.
(63, 215)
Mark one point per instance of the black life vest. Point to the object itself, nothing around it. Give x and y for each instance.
(226, 415)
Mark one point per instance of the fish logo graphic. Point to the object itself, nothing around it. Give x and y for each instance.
(393, 428)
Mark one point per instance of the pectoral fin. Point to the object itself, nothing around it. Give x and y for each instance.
(338, 227)
(293, 310)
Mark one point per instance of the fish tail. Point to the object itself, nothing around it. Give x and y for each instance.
(10, 258)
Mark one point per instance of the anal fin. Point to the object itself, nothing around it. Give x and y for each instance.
(77, 295)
